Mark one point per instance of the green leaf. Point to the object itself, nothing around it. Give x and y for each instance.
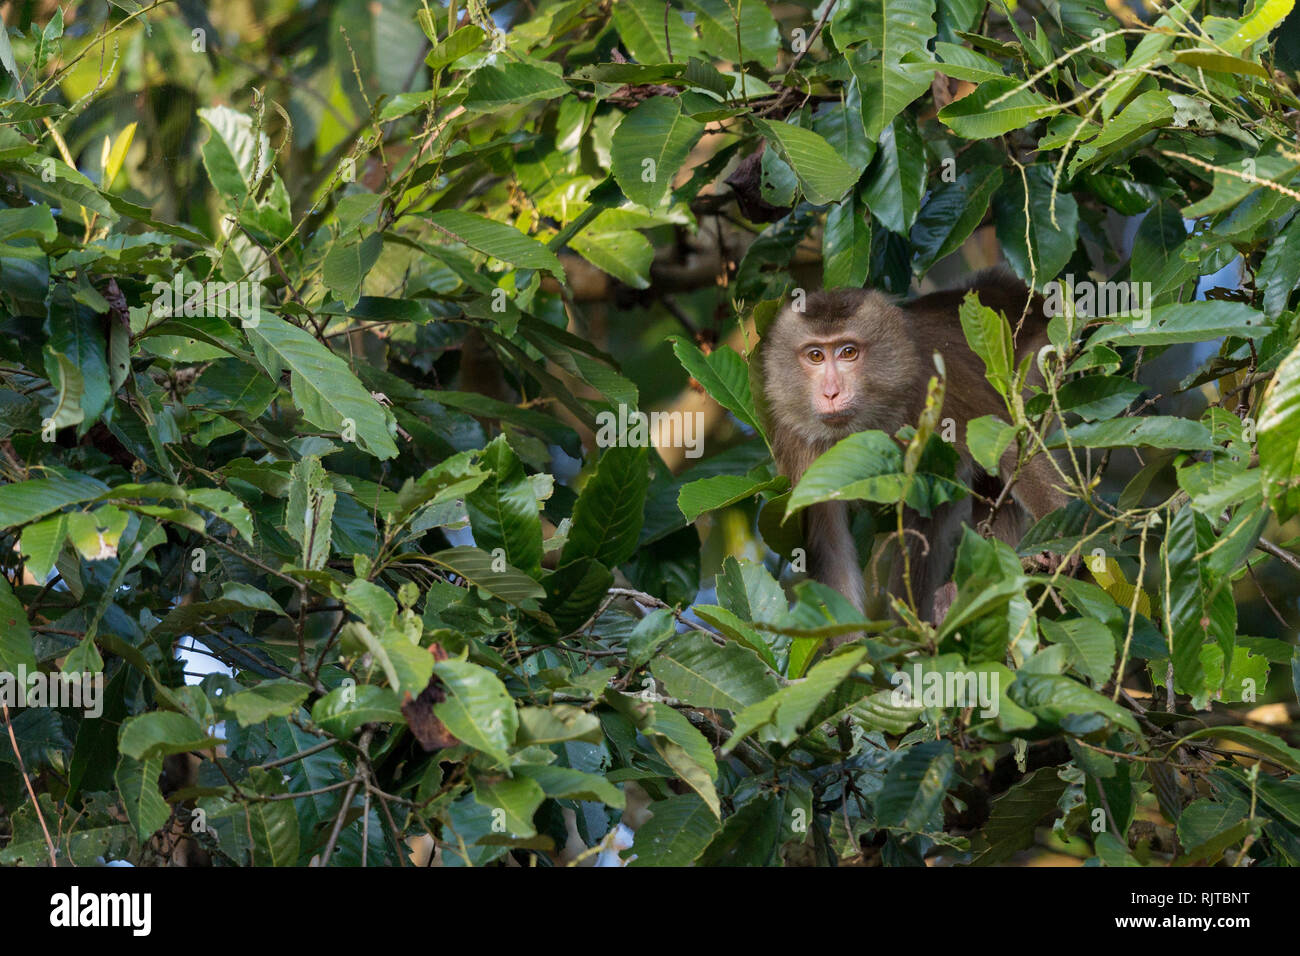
(226, 507)
(33, 222)
(608, 514)
(686, 751)
(271, 698)
(887, 88)
(915, 786)
(117, 155)
(477, 709)
(1279, 273)
(137, 783)
(453, 478)
(404, 104)
(1155, 431)
(988, 334)
(503, 510)
(1097, 396)
(481, 569)
(1262, 21)
(653, 33)
(782, 716)
(978, 116)
(556, 724)
(159, 733)
(1212, 849)
(461, 41)
(1234, 183)
(677, 832)
(651, 632)
(737, 629)
(272, 825)
(496, 239)
(951, 213)
(96, 534)
(26, 501)
(1203, 819)
(77, 333)
(1049, 246)
(1054, 697)
(41, 543)
(650, 147)
(235, 156)
(988, 438)
(233, 597)
(720, 491)
(512, 84)
(841, 125)
(323, 386)
(513, 801)
(1145, 55)
(1014, 816)
(70, 191)
(344, 710)
(625, 254)
(564, 783)
(846, 244)
(963, 63)
(823, 174)
(756, 31)
(308, 516)
(1197, 607)
(704, 674)
(1090, 644)
(1266, 744)
(893, 27)
(69, 388)
(896, 182)
(868, 466)
(1279, 439)
(723, 374)
(1147, 112)
(752, 835)
(347, 263)
(1187, 322)
(16, 653)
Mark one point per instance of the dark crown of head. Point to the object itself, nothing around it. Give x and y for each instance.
(831, 307)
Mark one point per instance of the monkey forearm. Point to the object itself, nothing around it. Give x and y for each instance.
(832, 552)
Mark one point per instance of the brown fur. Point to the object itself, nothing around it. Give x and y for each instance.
(886, 388)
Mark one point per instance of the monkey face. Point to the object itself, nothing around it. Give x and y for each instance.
(846, 362)
(833, 372)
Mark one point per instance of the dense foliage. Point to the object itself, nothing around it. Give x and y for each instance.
(312, 323)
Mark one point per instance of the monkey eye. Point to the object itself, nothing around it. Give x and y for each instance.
(816, 356)
(849, 352)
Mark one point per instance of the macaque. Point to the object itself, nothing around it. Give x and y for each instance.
(856, 359)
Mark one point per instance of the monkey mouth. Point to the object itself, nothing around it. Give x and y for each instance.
(837, 417)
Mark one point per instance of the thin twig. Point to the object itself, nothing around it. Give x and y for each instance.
(36, 806)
